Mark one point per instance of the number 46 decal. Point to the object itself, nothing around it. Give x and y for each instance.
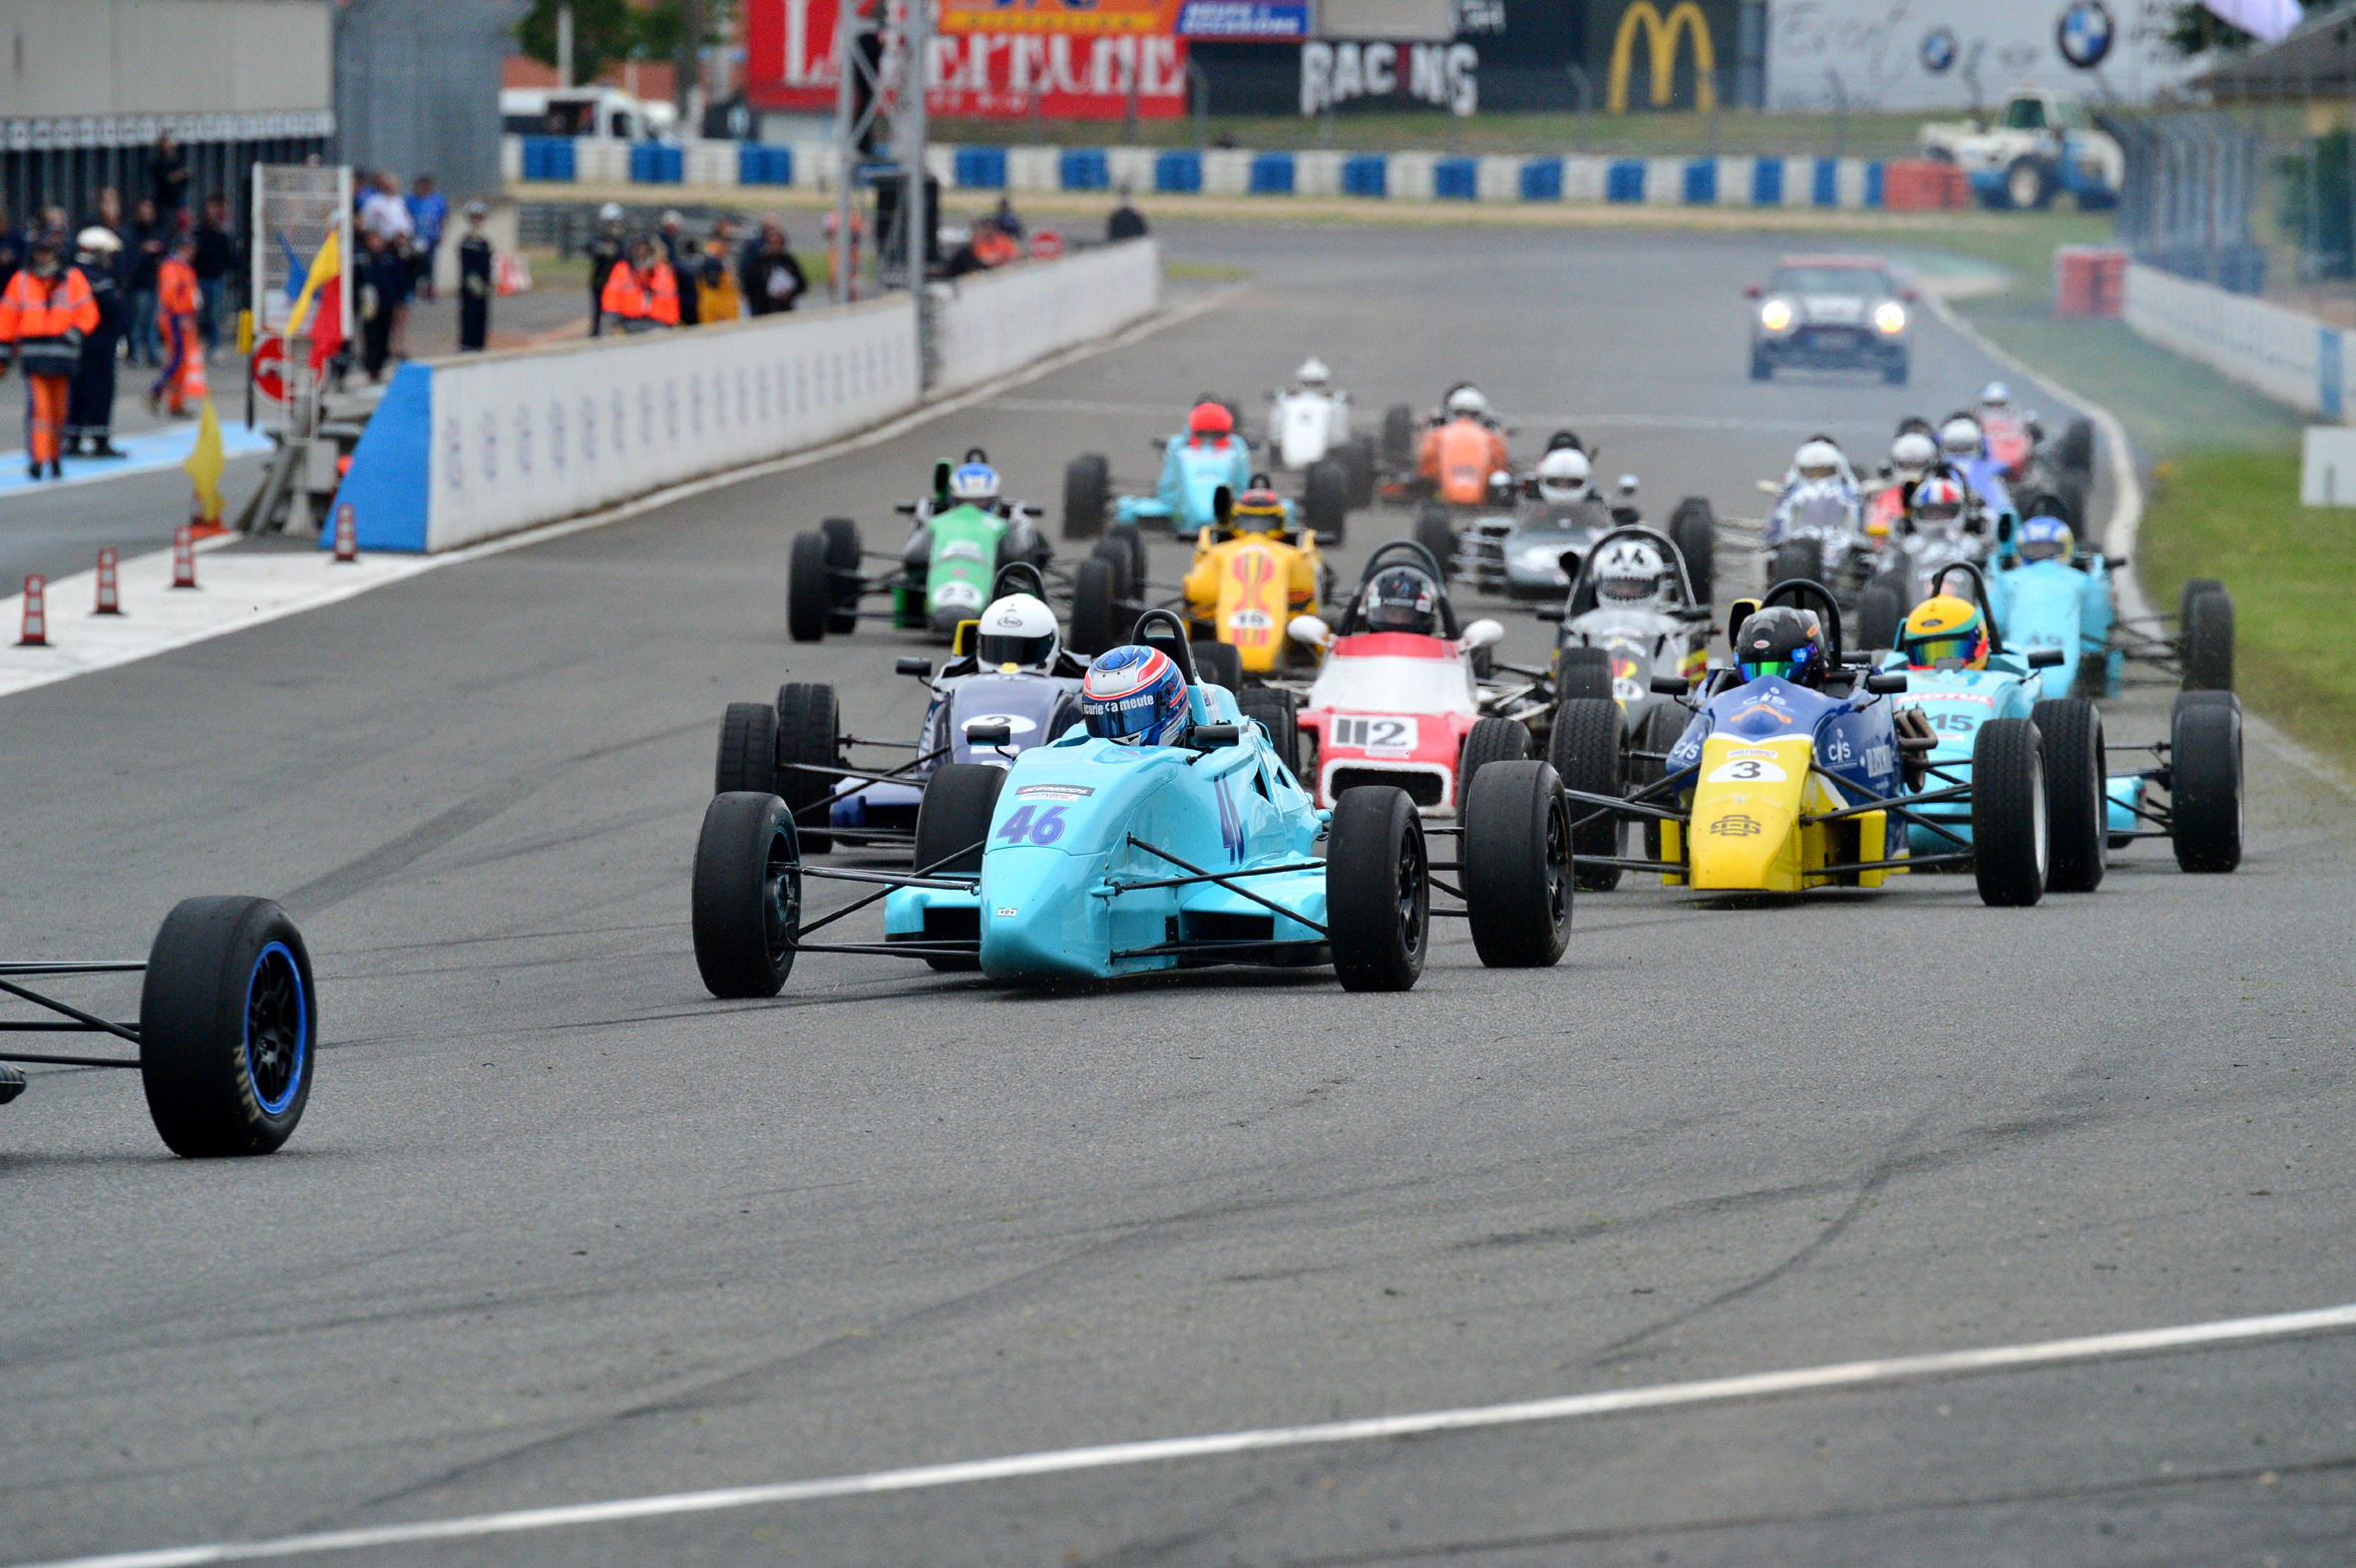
(1033, 824)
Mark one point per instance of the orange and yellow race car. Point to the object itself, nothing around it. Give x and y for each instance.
(1253, 572)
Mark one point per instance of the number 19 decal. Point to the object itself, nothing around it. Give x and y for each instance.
(1033, 825)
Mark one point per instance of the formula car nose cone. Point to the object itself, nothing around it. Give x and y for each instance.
(1744, 834)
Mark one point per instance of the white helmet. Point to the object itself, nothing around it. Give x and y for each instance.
(1818, 458)
(1467, 402)
(1996, 395)
(1960, 437)
(1912, 455)
(976, 482)
(1018, 632)
(1631, 575)
(1563, 475)
(610, 212)
(1313, 374)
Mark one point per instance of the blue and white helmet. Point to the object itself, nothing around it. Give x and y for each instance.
(1134, 696)
(2046, 539)
(1996, 395)
(975, 483)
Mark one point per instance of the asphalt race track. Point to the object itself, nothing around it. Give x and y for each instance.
(559, 1228)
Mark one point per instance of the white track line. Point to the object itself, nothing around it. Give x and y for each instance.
(2127, 522)
(289, 588)
(1845, 1374)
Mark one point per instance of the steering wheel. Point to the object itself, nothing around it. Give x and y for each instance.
(1794, 591)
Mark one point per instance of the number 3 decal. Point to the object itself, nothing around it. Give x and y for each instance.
(1036, 824)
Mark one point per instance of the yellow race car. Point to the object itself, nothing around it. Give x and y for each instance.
(1253, 572)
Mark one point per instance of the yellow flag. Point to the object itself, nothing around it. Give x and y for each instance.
(205, 466)
(326, 264)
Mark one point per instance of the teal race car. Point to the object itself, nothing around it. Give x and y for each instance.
(1089, 860)
(2049, 594)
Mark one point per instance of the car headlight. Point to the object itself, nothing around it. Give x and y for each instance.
(1890, 316)
(1776, 315)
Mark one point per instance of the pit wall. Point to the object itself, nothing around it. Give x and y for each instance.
(1404, 176)
(464, 450)
(2295, 359)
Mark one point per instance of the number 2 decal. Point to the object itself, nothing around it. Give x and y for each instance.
(1033, 824)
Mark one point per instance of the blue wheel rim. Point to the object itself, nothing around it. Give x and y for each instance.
(277, 1030)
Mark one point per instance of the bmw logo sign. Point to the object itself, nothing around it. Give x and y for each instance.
(2085, 34)
(1937, 50)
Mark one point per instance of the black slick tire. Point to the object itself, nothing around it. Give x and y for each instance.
(1219, 664)
(2077, 804)
(746, 902)
(1377, 891)
(1086, 482)
(2205, 636)
(1879, 616)
(1762, 367)
(1517, 866)
(2204, 788)
(748, 749)
(808, 730)
(1659, 734)
(1584, 750)
(1095, 599)
(2075, 451)
(953, 826)
(1115, 555)
(1359, 458)
(1280, 711)
(807, 605)
(2008, 813)
(1399, 438)
(1796, 559)
(1325, 499)
(843, 552)
(1582, 671)
(1437, 535)
(1489, 740)
(1693, 529)
(228, 1026)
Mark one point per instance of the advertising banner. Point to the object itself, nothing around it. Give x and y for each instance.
(1005, 72)
(1243, 21)
(1950, 54)
(1056, 16)
(1363, 74)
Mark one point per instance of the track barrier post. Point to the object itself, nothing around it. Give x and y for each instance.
(184, 556)
(36, 628)
(347, 534)
(110, 592)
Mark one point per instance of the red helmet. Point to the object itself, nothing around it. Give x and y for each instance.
(1210, 419)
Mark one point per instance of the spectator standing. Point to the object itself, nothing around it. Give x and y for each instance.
(643, 296)
(144, 245)
(605, 253)
(429, 214)
(44, 313)
(90, 402)
(772, 279)
(1009, 224)
(383, 212)
(178, 300)
(716, 298)
(384, 288)
(474, 283)
(167, 178)
(679, 252)
(217, 258)
(1125, 222)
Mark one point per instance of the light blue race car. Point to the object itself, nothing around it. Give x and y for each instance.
(1193, 470)
(1088, 859)
(2049, 594)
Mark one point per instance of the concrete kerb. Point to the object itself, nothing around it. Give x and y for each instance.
(2125, 525)
(393, 566)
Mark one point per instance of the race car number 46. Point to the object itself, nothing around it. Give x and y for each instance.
(1748, 770)
(1379, 734)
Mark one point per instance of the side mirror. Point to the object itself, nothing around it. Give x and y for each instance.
(1769, 488)
(1627, 483)
(1743, 610)
(1310, 630)
(2044, 658)
(997, 733)
(1886, 682)
(1212, 737)
(1753, 291)
(1554, 613)
(1671, 685)
(2114, 563)
(1480, 635)
(921, 669)
(1158, 442)
(907, 508)
(1222, 505)
(2004, 526)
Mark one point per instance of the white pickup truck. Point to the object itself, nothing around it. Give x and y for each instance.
(2041, 145)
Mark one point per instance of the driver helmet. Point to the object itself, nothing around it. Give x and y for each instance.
(1960, 437)
(1818, 458)
(973, 483)
(1564, 474)
(1403, 598)
(1916, 422)
(610, 212)
(1996, 395)
(1938, 501)
(1785, 642)
(1467, 402)
(1134, 696)
(1631, 575)
(1258, 510)
(1209, 418)
(1312, 376)
(1913, 455)
(2047, 538)
(1945, 632)
(1017, 633)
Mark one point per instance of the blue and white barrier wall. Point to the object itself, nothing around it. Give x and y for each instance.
(463, 450)
(1408, 176)
(2295, 359)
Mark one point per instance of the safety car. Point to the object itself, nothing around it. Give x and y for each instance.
(1831, 312)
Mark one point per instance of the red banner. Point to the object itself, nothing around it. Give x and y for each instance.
(790, 64)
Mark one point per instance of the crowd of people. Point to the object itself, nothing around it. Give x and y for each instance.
(648, 283)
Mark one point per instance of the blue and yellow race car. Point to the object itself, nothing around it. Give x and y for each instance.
(1092, 859)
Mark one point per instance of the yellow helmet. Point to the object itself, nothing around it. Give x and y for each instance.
(1945, 632)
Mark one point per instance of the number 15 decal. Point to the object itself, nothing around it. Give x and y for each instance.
(1033, 824)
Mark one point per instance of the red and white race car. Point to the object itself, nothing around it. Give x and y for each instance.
(1398, 707)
